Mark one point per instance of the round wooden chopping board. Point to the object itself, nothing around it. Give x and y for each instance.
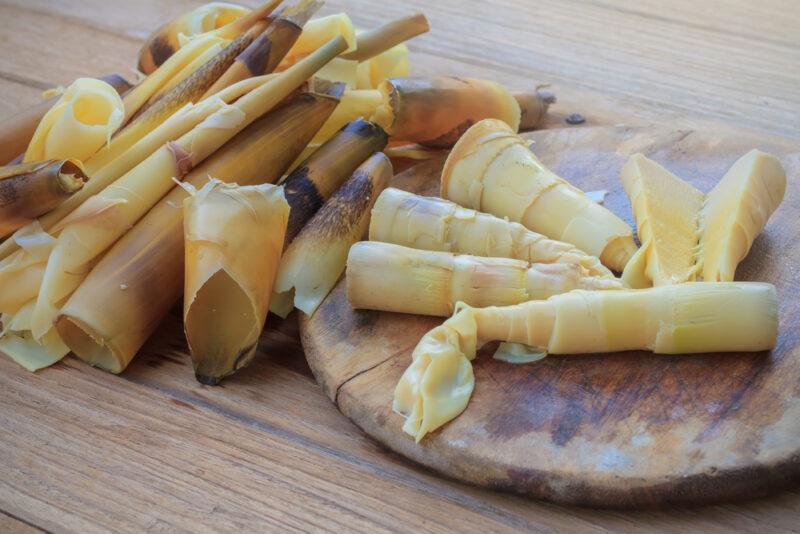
(624, 429)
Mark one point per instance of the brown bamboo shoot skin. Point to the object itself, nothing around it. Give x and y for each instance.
(676, 319)
(437, 111)
(16, 131)
(491, 169)
(233, 239)
(316, 258)
(430, 223)
(192, 88)
(29, 190)
(533, 107)
(225, 19)
(370, 43)
(382, 276)
(266, 52)
(151, 254)
(315, 180)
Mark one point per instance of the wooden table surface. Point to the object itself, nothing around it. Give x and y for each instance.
(81, 450)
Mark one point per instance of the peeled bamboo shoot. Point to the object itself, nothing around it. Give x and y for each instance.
(736, 211)
(29, 190)
(315, 180)
(106, 325)
(667, 211)
(316, 258)
(382, 276)
(687, 235)
(674, 319)
(81, 122)
(491, 169)
(430, 223)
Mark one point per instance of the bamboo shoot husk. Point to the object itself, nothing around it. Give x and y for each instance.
(172, 129)
(312, 264)
(491, 169)
(175, 68)
(370, 43)
(106, 325)
(191, 68)
(317, 32)
(29, 190)
(21, 273)
(215, 19)
(387, 277)
(393, 63)
(81, 122)
(314, 181)
(430, 223)
(267, 51)
(16, 132)
(233, 241)
(189, 90)
(675, 319)
(104, 218)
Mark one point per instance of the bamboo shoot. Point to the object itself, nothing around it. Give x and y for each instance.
(675, 319)
(491, 169)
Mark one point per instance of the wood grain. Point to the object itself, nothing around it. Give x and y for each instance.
(85, 451)
(625, 429)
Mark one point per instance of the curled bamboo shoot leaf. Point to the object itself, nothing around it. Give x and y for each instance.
(233, 241)
(78, 124)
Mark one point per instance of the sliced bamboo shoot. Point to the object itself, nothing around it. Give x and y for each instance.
(103, 323)
(491, 169)
(736, 211)
(233, 241)
(317, 32)
(676, 319)
(687, 235)
(430, 223)
(382, 276)
(29, 190)
(666, 210)
(393, 63)
(316, 258)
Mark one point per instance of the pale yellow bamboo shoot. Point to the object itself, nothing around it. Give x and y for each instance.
(491, 169)
(675, 319)
(430, 223)
(382, 276)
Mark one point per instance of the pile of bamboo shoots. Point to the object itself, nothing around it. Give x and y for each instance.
(236, 174)
(512, 252)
